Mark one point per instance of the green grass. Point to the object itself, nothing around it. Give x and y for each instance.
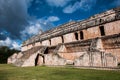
(9, 72)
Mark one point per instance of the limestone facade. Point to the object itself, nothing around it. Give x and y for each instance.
(93, 42)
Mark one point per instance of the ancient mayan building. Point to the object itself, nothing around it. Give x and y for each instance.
(93, 42)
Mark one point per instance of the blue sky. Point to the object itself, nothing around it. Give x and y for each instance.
(20, 19)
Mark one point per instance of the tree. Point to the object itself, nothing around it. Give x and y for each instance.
(6, 52)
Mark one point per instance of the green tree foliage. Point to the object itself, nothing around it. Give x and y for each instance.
(5, 52)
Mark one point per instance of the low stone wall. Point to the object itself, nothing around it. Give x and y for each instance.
(12, 59)
(28, 57)
(73, 50)
(96, 59)
(30, 61)
(55, 59)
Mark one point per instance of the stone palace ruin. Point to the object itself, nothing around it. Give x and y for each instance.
(94, 42)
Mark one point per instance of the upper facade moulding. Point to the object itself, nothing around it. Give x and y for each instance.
(98, 19)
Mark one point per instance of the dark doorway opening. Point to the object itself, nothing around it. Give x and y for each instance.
(100, 20)
(76, 36)
(46, 51)
(118, 65)
(62, 39)
(42, 60)
(50, 41)
(81, 35)
(36, 60)
(102, 31)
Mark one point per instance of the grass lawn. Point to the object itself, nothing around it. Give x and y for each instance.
(9, 72)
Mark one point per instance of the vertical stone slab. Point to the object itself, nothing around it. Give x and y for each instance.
(86, 60)
(83, 60)
(111, 60)
(96, 59)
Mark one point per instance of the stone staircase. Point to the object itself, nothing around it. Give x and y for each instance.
(42, 50)
(28, 53)
(56, 49)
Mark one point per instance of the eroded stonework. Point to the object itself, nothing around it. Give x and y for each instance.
(94, 42)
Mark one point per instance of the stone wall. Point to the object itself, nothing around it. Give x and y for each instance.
(30, 61)
(29, 56)
(96, 59)
(103, 19)
(111, 44)
(29, 46)
(38, 44)
(91, 42)
(55, 41)
(39, 60)
(92, 32)
(46, 43)
(112, 28)
(24, 48)
(73, 50)
(69, 37)
(110, 60)
(12, 59)
(89, 33)
(52, 60)
(109, 29)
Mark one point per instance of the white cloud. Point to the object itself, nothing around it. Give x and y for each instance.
(83, 4)
(6, 42)
(34, 29)
(53, 18)
(15, 45)
(10, 43)
(58, 3)
(1, 33)
(38, 26)
(31, 30)
(71, 8)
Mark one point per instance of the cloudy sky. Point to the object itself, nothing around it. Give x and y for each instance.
(20, 19)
